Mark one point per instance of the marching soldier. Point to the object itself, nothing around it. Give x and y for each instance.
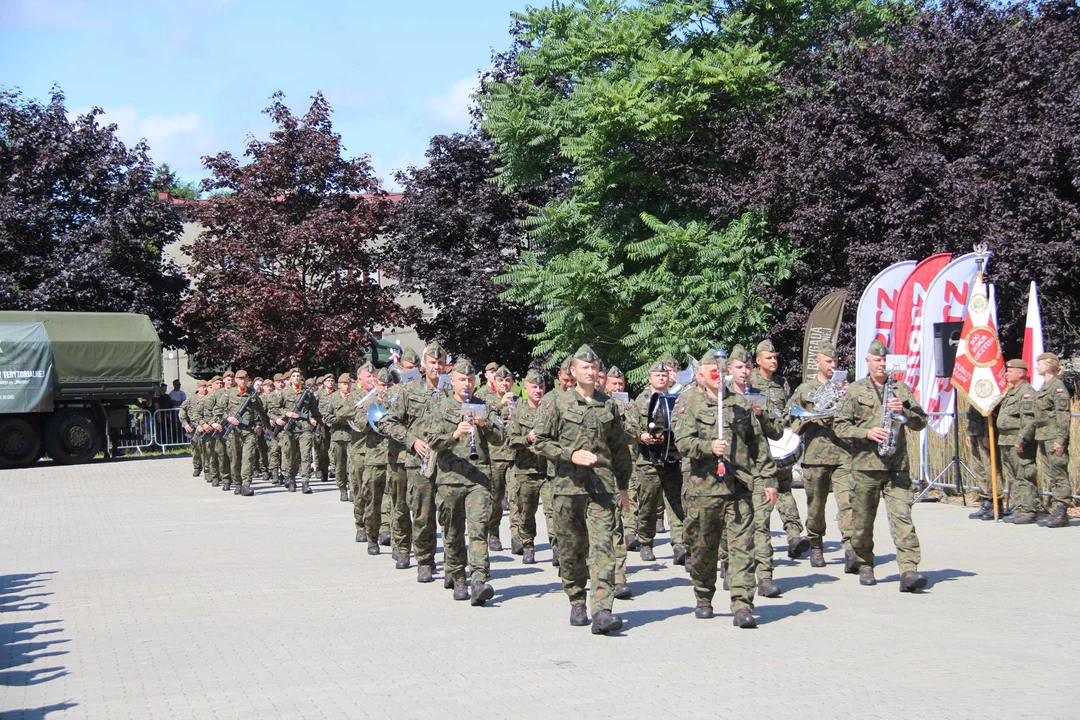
(261, 438)
(405, 423)
(298, 421)
(1052, 433)
(617, 383)
(501, 400)
(210, 446)
(719, 491)
(321, 446)
(1015, 424)
(191, 418)
(224, 454)
(340, 434)
(581, 432)
(383, 474)
(365, 383)
(865, 419)
(824, 461)
(243, 410)
(273, 445)
(463, 448)
(764, 379)
(529, 469)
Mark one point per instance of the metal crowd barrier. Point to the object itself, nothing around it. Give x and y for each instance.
(139, 435)
(168, 430)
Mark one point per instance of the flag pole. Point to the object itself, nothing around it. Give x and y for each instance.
(993, 465)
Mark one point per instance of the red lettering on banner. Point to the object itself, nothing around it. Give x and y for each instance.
(962, 372)
(982, 346)
(955, 302)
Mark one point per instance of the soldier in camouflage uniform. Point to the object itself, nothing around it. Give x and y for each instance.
(1052, 433)
(396, 528)
(298, 422)
(497, 394)
(861, 420)
(547, 491)
(464, 481)
(824, 461)
(321, 445)
(244, 411)
(978, 441)
(273, 448)
(764, 379)
(191, 419)
(580, 431)
(529, 470)
(405, 423)
(384, 474)
(339, 433)
(352, 412)
(224, 455)
(656, 480)
(262, 456)
(616, 383)
(719, 490)
(1015, 425)
(210, 445)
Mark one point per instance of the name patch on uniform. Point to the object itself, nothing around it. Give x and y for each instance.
(1027, 396)
(1060, 390)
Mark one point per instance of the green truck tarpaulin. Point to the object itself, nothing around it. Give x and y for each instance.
(26, 368)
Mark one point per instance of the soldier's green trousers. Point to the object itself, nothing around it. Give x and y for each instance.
(657, 483)
(1021, 476)
(339, 456)
(762, 534)
(980, 468)
(524, 505)
(819, 480)
(273, 455)
(630, 517)
(320, 449)
(586, 527)
(243, 449)
(396, 508)
(225, 471)
(786, 507)
(210, 459)
(263, 454)
(547, 497)
(197, 453)
(1056, 471)
(298, 453)
(867, 490)
(731, 519)
(618, 540)
(421, 501)
(462, 506)
(372, 490)
(499, 470)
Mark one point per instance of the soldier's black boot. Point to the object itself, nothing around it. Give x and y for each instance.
(373, 548)
(226, 486)
(554, 557)
(402, 560)
(680, 555)
(851, 563)
(647, 554)
(494, 543)
(767, 588)
(866, 576)
(424, 574)
(447, 581)
(361, 535)
(798, 548)
(237, 489)
(1057, 518)
(528, 556)
(632, 542)
(306, 488)
(911, 581)
(196, 473)
(605, 622)
(817, 558)
(1020, 518)
(660, 527)
(291, 485)
(578, 616)
(209, 479)
(344, 495)
(215, 483)
(622, 591)
(704, 610)
(987, 508)
(384, 538)
(481, 593)
(246, 491)
(460, 591)
(516, 548)
(325, 476)
(743, 619)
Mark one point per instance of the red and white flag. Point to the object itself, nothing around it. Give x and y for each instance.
(979, 372)
(907, 335)
(1033, 339)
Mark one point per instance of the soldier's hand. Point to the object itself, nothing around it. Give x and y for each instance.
(1059, 449)
(313, 421)
(421, 448)
(232, 420)
(583, 458)
(481, 422)
(624, 500)
(757, 409)
(967, 441)
(895, 406)
(217, 427)
(1019, 447)
(986, 442)
(259, 430)
(877, 434)
(293, 415)
(188, 428)
(531, 437)
(648, 439)
(771, 494)
(463, 428)
(719, 447)
(507, 398)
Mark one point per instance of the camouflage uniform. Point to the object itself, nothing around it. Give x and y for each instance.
(341, 435)
(1052, 427)
(220, 450)
(585, 498)
(1015, 423)
(501, 457)
(774, 422)
(722, 507)
(191, 415)
(529, 471)
(464, 485)
(300, 436)
(979, 434)
(873, 475)
(655, 482)
(274, 440)
(242, 442)
(321, 442)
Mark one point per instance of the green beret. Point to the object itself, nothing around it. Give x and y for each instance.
(344, 378)
(278, 377)
(586, 354)
(878, 348)
(765, 346)
(290, 371)
(1017, 364)
(828, 350)
(464, 366)
(434, 350)
(409, 355)
(1048, 356)
(534, 377)
(503, 372)
(241, 374)
(386, 376)
(615, 372)
(565, 367)
(739, 354)
(216, 378)
(325, 377)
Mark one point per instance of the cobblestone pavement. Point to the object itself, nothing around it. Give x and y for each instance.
(130, 589)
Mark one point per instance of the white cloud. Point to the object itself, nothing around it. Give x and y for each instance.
(453, 108)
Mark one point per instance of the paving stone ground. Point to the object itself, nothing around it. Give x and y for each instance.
(130, 589)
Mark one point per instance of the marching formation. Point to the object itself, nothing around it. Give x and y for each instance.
(419, 444)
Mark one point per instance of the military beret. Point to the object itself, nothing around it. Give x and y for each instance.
(715, 356)
(615, 372)
(765, 346)
(491, 366)
(290, 371)
(1017, 364)
(659, 366)
(434, 350)
(229, 373)
(278, 377)
(1048, 356)
(877, 348)
(464, 366)
(503, 372)
(565, 367)
(534, 377)
(241, 374)
(669, 360)
(386, 376)
(739, 354)
(586, 354)
(828, 350)
(201, 383)
(216, 378)
(366, 367)
(344, 378)
(258, 380)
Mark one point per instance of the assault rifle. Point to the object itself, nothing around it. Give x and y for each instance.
(304, 399)
(240, 415)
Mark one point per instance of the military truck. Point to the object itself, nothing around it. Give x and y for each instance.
(67, 381)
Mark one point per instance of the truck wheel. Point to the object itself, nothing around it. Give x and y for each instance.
(20, 443)
(72, 437)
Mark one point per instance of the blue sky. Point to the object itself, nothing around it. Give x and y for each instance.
(192, 77)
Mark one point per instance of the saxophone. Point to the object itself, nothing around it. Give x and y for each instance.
(887, 446)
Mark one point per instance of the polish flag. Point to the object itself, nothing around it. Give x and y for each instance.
(1033, 339)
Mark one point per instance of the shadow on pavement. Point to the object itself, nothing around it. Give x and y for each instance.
(38, 712)
(934, 576)
(519, 591)
(773, 613)
(642, 587)
(25, 643)
(638, 618)
(805, 581)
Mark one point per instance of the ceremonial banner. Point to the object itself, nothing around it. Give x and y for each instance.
(1033, 339)
(877, 310)
(907, 338)
(979, 373)
(946, 301)
(822, 327)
